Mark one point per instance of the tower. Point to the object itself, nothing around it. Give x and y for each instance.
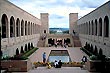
(73, 17)
(44, 23)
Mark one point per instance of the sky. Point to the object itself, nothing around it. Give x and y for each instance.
(58, 10)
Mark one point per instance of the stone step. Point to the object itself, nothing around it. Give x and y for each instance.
(58, 70)
(77, 43)
(41, 43)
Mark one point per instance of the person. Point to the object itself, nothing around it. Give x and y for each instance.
(44, 57)
(59, 64)
(65, 45)
(84, 59)
(56, 64)
(48, 66)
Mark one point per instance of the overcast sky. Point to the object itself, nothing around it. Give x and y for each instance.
(58, 10)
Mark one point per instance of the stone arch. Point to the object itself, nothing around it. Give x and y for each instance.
(100, 27)
(4, 22)
(28, 28)
(22, 27)
(12, 26)
(17, 27)
(25, 27)
(106, 26)
(96, 27)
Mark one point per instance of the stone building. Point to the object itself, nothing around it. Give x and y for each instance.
(94, 28)
(19, 28)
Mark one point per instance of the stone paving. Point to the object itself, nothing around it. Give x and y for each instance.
(58, 70)
(75, 55)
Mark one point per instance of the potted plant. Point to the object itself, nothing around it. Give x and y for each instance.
(96, 62)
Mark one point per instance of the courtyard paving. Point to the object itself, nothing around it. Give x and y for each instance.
(75, 55)
(74, 52)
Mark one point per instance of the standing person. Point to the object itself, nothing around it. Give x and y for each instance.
(59, 63)
(44, 57)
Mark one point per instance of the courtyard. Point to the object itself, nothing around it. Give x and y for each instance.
(75, 55)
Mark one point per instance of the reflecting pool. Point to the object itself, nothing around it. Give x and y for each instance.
(62, 55)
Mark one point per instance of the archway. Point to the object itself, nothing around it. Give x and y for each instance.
(25, 27)
(4, 21)
(12, 27)
(22, 28)
(28, 28)
(17, 27)
(106, 26)
(96, 27)
(100, 27)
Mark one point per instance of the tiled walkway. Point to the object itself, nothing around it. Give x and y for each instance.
(75, 55)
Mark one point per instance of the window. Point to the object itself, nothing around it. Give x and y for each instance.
(106, 26)
(28, 28)
(12, 27)
(89, 28)
(100, 27)
(25, 27)
(96, 27)
(22, 28)
(44, 31)
(17, 27)
(92, 28)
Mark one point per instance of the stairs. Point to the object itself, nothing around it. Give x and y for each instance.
(41, 43)
(76, 41)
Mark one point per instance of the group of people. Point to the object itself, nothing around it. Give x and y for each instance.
(57, 64)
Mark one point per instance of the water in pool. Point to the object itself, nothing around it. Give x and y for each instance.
(62, 58)
(59, 55)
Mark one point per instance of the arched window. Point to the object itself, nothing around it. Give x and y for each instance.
(28, 28)
(12, 27)
(17, 27)
(22, 28)
(31, 28)
(44, 31)
(92, 27)
(106, 26)
(100, 27)
(25, 27)
(96, 27)
(34, 29)
(86, 28)
(89, 28)
(4, 22)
